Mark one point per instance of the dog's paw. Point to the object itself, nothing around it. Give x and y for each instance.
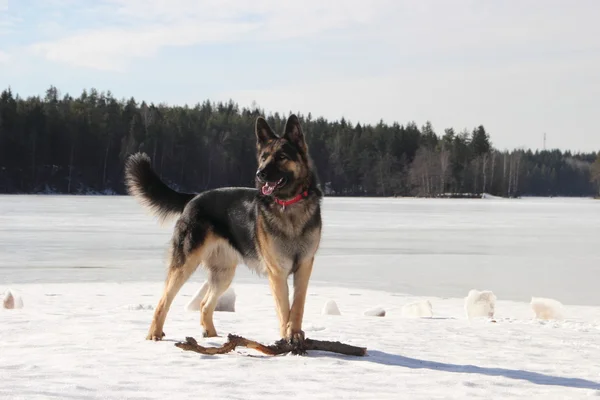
(207, 334)
(295, 337)
(155, 337)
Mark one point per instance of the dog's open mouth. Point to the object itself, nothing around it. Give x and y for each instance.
(269, 187)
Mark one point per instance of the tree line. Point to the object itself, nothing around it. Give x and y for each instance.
(62, 144)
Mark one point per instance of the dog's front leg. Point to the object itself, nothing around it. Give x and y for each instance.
(280, 290)
(301, 277)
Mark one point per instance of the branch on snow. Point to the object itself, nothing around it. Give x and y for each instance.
(280, 347)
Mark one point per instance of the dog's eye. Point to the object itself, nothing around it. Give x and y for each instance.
(282, 156)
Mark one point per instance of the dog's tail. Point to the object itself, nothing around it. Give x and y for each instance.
(150, 191)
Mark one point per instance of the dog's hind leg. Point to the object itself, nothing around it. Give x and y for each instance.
(181, 267)
(221, 268)
(177, 276)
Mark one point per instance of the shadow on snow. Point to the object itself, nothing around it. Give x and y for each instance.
(380, 357)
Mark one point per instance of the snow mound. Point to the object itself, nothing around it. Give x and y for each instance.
(12, 301)
(225, 303)
(480, 303)
(490, 196)
(375, 312)
(547, 308)
(314, 328)
(418, 309)
(331, 308)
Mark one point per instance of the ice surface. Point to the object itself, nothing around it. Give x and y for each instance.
(91, 271)
(426, 247)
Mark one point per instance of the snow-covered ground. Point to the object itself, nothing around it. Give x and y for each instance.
(86, 341)
(88, 271)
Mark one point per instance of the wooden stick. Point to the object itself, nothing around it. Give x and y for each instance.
(280, 347)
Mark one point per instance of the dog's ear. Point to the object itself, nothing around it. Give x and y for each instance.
(293, 132)
(263, 131)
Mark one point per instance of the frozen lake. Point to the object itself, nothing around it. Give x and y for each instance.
(443, 248)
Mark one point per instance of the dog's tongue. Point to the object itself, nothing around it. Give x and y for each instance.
(268, 188)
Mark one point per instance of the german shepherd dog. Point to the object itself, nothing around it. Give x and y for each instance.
(274, 229)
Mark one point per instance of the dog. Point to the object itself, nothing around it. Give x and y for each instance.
(273, 228)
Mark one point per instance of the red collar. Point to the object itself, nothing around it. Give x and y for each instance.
(296, 199)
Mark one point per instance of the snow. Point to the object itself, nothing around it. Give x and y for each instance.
(226, 301)
(90, 271)
(418, 309)
(86, 341)
(480, 303)
(487, 196)
(331, 308)
(547, 308)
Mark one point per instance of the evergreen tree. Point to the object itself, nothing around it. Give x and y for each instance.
(79, 145)
(595, 175)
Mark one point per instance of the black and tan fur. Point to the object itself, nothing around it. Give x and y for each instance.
(222, 228)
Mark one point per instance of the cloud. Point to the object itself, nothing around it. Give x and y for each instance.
(7, 22)
(157, 24)
(118, 32)
(289, 13)
(113, 49)
(513, 100)
(4, 57)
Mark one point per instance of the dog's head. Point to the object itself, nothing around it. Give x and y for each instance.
(283, 166)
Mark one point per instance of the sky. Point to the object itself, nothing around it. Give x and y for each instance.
(521, 68)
